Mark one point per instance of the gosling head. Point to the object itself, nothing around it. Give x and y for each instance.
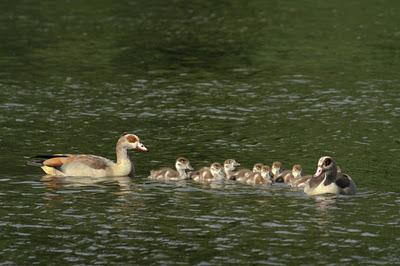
(183, 164)
(276, 168)
(297, 171)
(257, 167)
(217, 171)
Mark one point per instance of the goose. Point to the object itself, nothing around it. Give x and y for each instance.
(266, 172)
(263, 177)
(182, 166)
(258, 179)
(278, 172)
(210, 174)
(230, 166)
(60, 165)
(327, 180)
(296, 173)
(243, 175)
(296, 179)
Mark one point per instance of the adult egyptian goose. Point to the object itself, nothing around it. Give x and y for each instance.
(327, 180)
(92, 165)
(182, 166)
(214, 173)
(230, 166)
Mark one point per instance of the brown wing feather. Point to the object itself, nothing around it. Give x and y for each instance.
(92, 161)
(315, 181)
(342, 180)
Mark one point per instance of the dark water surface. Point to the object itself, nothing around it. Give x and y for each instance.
(257, 81)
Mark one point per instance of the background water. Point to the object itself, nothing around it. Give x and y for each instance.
(257, 81)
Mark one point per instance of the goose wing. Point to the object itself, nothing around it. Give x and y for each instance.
(92, 161)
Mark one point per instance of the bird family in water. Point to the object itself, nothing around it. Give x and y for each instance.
(328, 178)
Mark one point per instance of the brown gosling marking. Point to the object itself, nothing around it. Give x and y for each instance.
(182, 160)
(131, 138)
(277, 164)
(297, 167)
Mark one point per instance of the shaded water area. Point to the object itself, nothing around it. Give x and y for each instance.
(257, 81)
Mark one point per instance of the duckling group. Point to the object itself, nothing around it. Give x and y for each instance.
(328, 178)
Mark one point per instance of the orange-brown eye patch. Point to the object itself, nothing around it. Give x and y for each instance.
(131, 138)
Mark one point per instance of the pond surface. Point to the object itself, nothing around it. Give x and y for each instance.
(257, 81)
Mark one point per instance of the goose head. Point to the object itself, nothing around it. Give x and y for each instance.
(230, 165)
(297, 171)
(266, 172)
(183, 165)
(131, 142)
(276, 168)
(326, 166)
(257, 168)
(217, 171)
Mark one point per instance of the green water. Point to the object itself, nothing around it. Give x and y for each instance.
(257, 81)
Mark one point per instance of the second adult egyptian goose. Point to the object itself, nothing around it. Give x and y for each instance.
(327, 180)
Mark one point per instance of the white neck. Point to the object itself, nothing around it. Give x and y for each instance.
(182, 172)
(296, 174)
(219, 175)
(122, 155)
(228, 172)
(123, 167)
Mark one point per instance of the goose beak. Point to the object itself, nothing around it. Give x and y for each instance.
(141, 148)
(318, 172)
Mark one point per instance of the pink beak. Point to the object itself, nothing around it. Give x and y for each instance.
(318, 172)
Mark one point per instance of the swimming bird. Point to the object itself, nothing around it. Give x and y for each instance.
(263, 177)
(210, 174)
(93, 165)
(296, 173)
(182, 166)
(243, 175)
(327, 180)
(278, 172)
(230, 166)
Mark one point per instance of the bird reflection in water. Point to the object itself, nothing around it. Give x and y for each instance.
(56, 183)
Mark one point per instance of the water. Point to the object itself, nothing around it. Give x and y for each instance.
(252, 80)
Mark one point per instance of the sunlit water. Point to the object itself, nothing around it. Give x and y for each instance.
(254, 81)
